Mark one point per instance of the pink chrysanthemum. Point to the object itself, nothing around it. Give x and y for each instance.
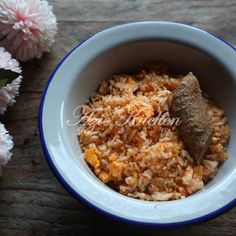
(10, 91)
(27, 27)
(6, 145)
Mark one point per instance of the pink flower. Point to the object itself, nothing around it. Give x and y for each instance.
(27, 27)
(10, 91)
(6, 145)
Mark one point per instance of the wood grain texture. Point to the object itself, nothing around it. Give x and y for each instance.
(32, 202)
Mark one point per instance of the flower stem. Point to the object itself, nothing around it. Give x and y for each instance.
(3, 37)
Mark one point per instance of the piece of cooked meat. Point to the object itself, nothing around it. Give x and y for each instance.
(190, 107)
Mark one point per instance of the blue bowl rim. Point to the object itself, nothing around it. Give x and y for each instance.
(77, 196)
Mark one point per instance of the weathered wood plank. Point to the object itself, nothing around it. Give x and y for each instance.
(123, 10)
(216, 16)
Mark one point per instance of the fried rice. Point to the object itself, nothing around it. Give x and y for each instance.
(139, 158)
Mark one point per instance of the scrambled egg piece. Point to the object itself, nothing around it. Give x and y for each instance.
(104, 177)
(91, 157)
(116, 170)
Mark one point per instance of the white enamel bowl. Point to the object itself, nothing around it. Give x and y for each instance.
(120, 49)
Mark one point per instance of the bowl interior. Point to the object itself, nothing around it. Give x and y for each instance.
(214, 79)
(120, 50)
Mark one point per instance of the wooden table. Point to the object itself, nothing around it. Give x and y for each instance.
(32, 202)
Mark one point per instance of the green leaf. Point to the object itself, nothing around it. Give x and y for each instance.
(7, 76)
